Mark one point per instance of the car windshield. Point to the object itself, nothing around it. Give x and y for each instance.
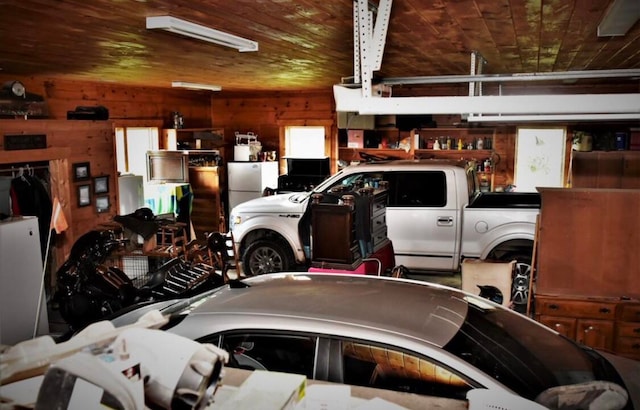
(520, 353)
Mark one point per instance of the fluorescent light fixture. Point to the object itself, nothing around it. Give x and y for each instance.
(620, 17)
(553, 117)
(189, 29)
(195, 86)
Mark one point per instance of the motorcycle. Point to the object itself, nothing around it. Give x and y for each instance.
(87, 290)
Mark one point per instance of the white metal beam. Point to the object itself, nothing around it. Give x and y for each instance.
(380, 33)
(351, 100)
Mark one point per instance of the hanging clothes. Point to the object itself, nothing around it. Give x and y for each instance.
(30, 197)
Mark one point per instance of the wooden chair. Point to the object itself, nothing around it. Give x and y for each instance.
(224, 253)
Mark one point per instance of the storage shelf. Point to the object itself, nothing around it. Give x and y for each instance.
(454, 153)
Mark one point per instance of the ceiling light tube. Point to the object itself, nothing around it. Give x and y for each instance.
(195, 86)
(189, 29)
(554, 117)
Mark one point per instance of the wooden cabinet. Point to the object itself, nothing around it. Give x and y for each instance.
(346, 231)
(627, 333)
(605, 169)
(588, 242)
(602, 323)
(590, 322)
(333, 233)
(207, 185)
(192, 138)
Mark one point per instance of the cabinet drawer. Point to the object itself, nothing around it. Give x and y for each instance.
(629, 312)
(378, 207)
(566, 326)
(629, 329)
(378, 222)
(628, 346)
(576, 308)
(595, 333)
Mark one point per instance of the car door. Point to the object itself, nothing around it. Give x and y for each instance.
(289, 352)
(422, 219)
(378, 365)
(341, 360)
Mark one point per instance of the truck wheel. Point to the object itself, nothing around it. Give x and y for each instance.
(520, 280)
(266, 256)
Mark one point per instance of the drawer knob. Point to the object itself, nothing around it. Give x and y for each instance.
(605, 310)
(636, 330)
(635, 346)
(553, 306)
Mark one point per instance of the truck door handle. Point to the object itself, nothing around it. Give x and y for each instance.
(445, 220)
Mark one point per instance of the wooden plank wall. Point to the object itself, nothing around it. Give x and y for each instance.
(264, 113)
(68, 143)
(124, 103)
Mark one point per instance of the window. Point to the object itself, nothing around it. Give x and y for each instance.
(273, 352)
(418, 188)
(378, 366)
(304, 142)
(132, 145)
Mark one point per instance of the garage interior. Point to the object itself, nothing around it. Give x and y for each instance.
(384, 79)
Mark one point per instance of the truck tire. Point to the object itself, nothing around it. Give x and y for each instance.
(520, 280)
(266, 256)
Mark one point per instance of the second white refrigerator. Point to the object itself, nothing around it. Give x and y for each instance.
(247, 180)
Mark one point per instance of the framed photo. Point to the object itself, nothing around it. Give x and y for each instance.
(102, 203)
(84, 195)
(81, 171)
(101, 184)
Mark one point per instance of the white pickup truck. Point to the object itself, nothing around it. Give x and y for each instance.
(435, 217)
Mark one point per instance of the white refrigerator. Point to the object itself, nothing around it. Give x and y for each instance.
(21, 279)
(247, 180)
(130, 193)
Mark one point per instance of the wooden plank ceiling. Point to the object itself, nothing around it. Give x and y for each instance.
(304, 44)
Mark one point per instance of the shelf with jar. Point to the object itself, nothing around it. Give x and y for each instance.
(382, 143)
(192, 138)
(469, 142)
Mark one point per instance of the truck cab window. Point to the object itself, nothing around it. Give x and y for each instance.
(420, 188)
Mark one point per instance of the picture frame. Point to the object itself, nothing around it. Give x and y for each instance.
(102, 203)
(81, 171)
(84, 195)
(101, 184)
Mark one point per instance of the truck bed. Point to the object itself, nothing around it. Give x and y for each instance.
(505, 200)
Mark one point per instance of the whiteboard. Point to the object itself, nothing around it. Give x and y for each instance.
(540, 154)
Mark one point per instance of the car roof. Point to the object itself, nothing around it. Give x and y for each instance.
(415, 309)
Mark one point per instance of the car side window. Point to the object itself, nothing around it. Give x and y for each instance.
(417, 188)
(353, 181)
(273, 352)
(386, 368)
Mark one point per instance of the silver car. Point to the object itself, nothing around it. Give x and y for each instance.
(397, 334)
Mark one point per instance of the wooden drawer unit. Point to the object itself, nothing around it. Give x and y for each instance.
(566, 326)
(629, 312)
(606, 323)
(592, 309)
(595, 333)
(627, 333)
(587, 321)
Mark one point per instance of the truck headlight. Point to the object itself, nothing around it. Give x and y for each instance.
(235, 220)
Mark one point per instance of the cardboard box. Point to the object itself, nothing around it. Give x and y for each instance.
(267, 391)
(355, 138)
(488, 273)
